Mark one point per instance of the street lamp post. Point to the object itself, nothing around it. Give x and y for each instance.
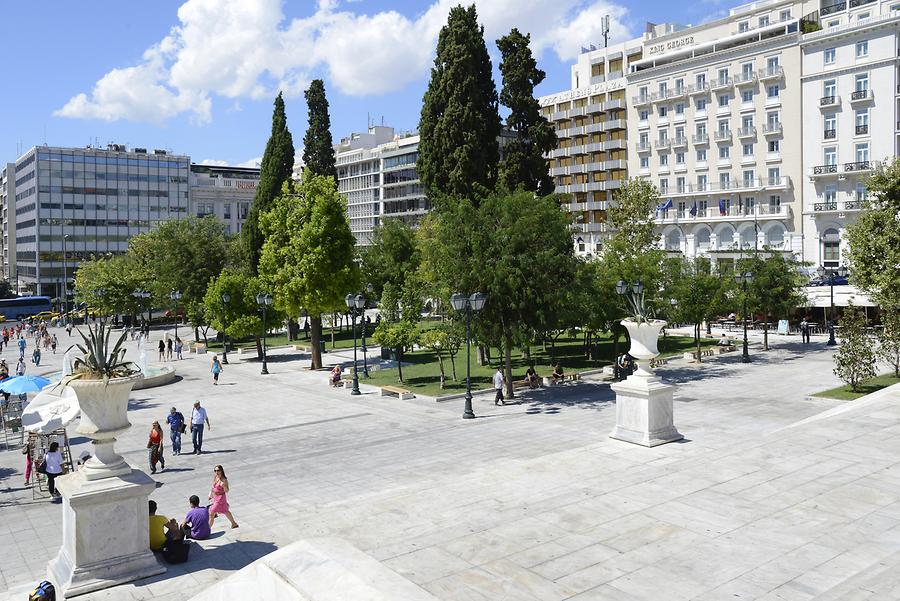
(65, 282)
(264, 300)
(832, 274)
(225, 299)
(144, 295)
(743, 279)
(475, 303)
(175, 295)
(355, 305)
(362, 323)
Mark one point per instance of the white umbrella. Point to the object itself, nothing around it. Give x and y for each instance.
(53, 408)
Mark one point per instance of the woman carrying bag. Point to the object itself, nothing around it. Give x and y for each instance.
(155, 447)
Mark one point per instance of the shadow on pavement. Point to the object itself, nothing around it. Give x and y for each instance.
(552, 400)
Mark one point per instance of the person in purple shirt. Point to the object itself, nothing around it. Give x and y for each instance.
(196, 522)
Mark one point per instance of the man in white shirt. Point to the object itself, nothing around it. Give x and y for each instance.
(498, 386)
(198, 418)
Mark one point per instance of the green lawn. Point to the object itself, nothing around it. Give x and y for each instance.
(342, 339)
(844, 393)
(422, 375)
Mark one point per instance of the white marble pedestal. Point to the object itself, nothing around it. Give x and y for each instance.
(644, 413)
(105, 533)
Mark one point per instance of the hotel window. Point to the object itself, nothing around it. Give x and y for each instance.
(831, 247)
(830, 193)
(679, 133)
(747, 121)
(748, 150)
(701, 155)
(833, 24)
(679, 108)
(862, 82)
(771, 63)
(645, 162)
(663, 112)
(743, 26)
(663, 86)
(773, 91)
(862, 121)
(774, 175)
(830, 126)
(723, 75)
(724, 126)
(775, 203)
(679, 84)
(644, 114)
(830, 155)
(724, 153)
(701, 182)
(723, 100)
(860, 191)
(663, 185)
(663, 160)
(784, 15)
(701, 129)
(774, 146)
(642, 92)
(862, 152)
(644, 139)
(680, 186)
(749, 177)
(663, 134)
(829, 56)
(829, 88)
(724, 181)
(701, 104)
(747, 96)
(764, 20)
(863, 16)
(701, 81)
(226, 212)
(747, 69)
(862, 49)
(679, 158)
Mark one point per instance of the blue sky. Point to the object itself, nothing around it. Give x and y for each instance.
(198, 76)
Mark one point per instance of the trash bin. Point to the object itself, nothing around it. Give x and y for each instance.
(385, 353)
(322, 346)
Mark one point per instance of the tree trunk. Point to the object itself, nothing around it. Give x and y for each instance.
(332, 330)
(258, 345)
(697, 340)
(197, 334)
(440, 358)
(453, 366)
(526, 353)
(481, 357)
(765, 330)
(315, 327)
(399, 352)
(291, 324)
(508, 343)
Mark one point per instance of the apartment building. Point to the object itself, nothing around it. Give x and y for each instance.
(223, 191)
(7, 216)
(851, 117)
(590, 163)
(713, 122)
(377, 177)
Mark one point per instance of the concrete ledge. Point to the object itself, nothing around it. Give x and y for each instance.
(319, 569)
(166, 375)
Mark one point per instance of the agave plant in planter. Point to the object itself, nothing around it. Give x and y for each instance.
(643, 330)
(102, 381)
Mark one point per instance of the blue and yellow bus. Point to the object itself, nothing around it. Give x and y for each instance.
(24, 306)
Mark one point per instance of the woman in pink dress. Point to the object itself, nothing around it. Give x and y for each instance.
(217, 495)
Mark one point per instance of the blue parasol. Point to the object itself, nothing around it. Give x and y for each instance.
(23, 384)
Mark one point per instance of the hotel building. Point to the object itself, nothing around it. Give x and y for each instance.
(713, 125)
(226, 192)
(590, 163)
(377, 176)
(851, 116)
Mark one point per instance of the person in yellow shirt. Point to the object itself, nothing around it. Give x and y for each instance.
(157, 528)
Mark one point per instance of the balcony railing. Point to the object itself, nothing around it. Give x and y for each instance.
(830, 134)
(643, 146)
(640, 99)
(856, 3)
(679, 141)
(701, 139)
(732, 185)
(677, 92)
(745, 78)
(859, 166)
(832, 8)
(824, 169)
(722, 135)
(862, 129)
(828, 100)
(663, 143)
(702, 88)
(825, 206)
(771, 73)
(721, 82)
(747, 132)
(860, 95)
(853, 205)
(770, 129)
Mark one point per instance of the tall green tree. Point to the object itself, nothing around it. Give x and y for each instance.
(699, 293)
(392, 256)
(874, 240)
(854, 360)
(117, 276)
(776, 289)
(275, 169)
(308, 255)
(241, 315)
(889, 338)
(523, 163)
(459, 123)
(401, 309)
(318, 148)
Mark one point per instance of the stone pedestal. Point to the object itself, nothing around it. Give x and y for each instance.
(644, 412)
(105, 533)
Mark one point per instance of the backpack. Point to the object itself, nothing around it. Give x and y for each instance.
(43, 592)
(176, 551)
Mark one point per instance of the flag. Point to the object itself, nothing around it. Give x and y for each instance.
(693, 211)
(722, 207)
(740, 204)
(664, 206)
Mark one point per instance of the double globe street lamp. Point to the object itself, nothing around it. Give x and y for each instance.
(143, 296)
(225, 298)
(362, 323)
(832, 275)
(175, 295)
(264, 300)
(743, 279)
(356, 306)
(469, 304)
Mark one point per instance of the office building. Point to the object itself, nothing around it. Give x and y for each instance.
(377, 177)
(226, 192)
(851, 117)
(590, 163)
(64, 205)
(7, 215)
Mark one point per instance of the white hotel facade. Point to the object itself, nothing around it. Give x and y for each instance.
(727, 120)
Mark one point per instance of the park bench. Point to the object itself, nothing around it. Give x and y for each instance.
(724, 349)
(657, 361)
(401, 393)
(517, 384)
(570, 377)
(198, 348)
(692, 355)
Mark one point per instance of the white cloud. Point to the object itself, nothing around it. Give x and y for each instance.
(255, 162)
(214, 162)
(236, 49)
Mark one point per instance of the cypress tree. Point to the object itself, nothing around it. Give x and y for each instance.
(459, 123)
(318, 149)
(524, 163)
(276, 168)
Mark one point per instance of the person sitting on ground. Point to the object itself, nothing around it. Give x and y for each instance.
(196, 522)
(160, 527)
(336, 375)
(558, 375)
(531, 377)
(725, 340)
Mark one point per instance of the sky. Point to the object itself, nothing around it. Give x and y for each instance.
(198, 77)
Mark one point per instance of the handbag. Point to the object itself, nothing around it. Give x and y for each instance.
(183, 427)
(42, 467)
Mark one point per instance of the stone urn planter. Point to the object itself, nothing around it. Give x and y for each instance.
(104, 416)
(644, 337)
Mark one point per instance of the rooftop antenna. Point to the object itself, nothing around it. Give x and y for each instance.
(604, 25)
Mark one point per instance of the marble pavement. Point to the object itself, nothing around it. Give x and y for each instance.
(532, 501)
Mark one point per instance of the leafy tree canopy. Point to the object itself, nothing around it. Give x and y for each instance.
(241, 314)
(318, 148)
(392, 257)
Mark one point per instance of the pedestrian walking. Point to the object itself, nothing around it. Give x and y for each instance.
(22, 344)
(218, 495)
(216, 369)
(169, 345)
(52, 467)
(69, 329)
(179, 346)
(155, 447)
(28, 451)
(162, 350)
(54, 342)
(36, 356)
(20, 367)
(176, 423)
(499, 380)
(804, 331)
(198, 419)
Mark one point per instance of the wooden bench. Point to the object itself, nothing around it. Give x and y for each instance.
(517, 384)
(724, 349)
(402, 393)
(657, 361)
(570, 377)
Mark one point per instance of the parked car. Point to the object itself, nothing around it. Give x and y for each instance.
(826, 281)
